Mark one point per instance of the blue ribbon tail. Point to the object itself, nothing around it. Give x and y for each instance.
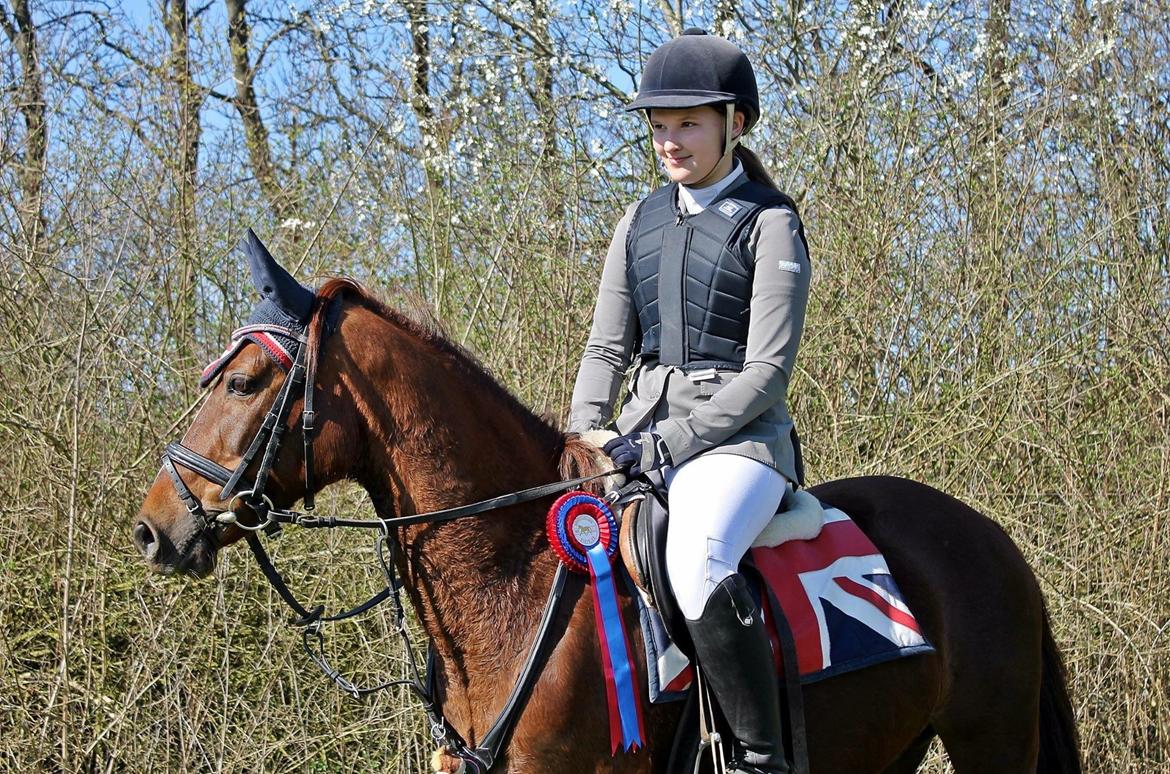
(615, 643)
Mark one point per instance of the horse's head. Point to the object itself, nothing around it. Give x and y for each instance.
(229, 465)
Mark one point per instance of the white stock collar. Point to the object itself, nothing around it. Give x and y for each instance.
(695, 200)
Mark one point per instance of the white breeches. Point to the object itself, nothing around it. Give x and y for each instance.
(718, 504)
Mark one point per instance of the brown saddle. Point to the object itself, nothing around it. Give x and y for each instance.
(642, 541)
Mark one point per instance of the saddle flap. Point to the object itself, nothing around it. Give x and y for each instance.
(627, 546)
(643, 546)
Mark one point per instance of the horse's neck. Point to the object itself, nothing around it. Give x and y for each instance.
(478, 583)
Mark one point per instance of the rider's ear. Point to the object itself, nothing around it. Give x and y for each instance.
(274, 283)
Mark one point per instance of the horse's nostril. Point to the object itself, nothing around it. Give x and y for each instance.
(145, 539)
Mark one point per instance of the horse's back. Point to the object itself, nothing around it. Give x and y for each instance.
(940, 550)
(976, 599)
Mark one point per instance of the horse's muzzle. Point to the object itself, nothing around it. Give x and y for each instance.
(194, 555)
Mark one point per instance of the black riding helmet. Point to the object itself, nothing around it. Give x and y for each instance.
(698, 69)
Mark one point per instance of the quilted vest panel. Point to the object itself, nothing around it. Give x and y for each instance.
(690, 283)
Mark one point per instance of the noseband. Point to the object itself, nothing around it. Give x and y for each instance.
(236, 489)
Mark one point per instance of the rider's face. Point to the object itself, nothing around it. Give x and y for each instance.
(689, 142)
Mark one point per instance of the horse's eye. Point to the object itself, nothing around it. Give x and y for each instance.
(239, 384)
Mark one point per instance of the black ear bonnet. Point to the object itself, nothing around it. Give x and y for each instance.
(280, 317)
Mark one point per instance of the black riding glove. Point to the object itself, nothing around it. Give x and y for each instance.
(638, 452)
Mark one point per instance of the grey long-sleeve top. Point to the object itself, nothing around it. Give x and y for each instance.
(742, 413)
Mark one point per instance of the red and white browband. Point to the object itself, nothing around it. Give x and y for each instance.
(267, 337)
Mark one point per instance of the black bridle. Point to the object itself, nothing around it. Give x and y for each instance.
(237, 489)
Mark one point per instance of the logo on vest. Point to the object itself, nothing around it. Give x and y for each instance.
(729, 208)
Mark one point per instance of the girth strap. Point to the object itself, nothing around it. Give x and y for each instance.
(795, 700)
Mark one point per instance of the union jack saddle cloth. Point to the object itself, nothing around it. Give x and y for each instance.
(835, 591)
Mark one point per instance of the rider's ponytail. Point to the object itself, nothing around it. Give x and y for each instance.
(753, 167)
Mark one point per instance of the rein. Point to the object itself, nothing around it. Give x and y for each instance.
(235, 488)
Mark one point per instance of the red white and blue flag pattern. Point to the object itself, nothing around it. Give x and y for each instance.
(842, 604)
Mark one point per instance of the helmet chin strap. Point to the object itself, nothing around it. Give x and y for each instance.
(729, 144)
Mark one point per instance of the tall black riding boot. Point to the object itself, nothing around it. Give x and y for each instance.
(736, 658)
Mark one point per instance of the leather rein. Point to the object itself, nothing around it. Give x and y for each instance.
(236, 489)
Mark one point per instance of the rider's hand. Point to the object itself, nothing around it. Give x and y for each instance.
(638, 452)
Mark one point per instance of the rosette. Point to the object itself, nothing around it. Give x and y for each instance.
(583, 532)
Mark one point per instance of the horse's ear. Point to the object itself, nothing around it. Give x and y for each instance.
(274, 283)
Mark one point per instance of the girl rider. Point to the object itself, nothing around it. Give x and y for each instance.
(705, 287)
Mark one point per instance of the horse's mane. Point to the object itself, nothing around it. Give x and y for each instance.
(574, 457)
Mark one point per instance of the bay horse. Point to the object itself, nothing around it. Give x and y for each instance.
(420, 425)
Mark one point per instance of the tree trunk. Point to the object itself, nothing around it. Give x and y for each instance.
(990, 208)
(187, 131)
(543, 94)
(544, 99)
(433, 267)
(673, 15)
(32, 165)
(420, 84)
(1132, 258)
(255, 132)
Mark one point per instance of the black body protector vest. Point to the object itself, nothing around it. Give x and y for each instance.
(690, 281)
